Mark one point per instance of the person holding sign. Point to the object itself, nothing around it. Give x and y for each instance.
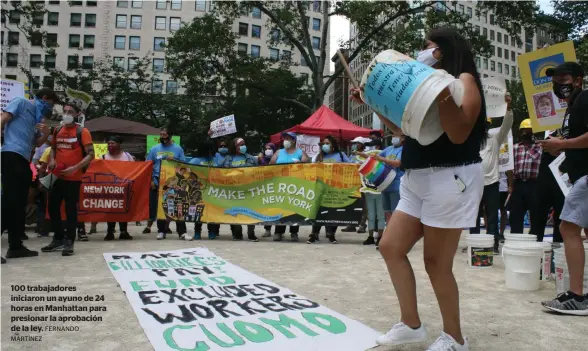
(23, 129)
(567, 85)
(439, 195)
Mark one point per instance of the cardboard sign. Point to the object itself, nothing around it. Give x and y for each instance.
(308, 144)
(10, 89)
(563, 180)
(494, 93)
(223, 126)
(506, 155)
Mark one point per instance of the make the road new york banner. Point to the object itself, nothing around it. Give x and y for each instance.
(191, 299)
(546, 111)
(301, 194)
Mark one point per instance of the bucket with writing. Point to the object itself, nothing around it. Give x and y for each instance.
(522, 262)
(562, 274)
(405, 91)
(519, 237)
(377, 174)
(480, 250)
(545, 271)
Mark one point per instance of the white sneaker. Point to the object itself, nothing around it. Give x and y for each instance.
(160, 236)
(401, 334)
(186, 237)
(447, 343)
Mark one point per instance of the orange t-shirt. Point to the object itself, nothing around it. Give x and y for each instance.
(68, 151)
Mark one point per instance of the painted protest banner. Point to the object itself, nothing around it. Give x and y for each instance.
(301, 194)
(546, 110)
(308, 144)
(9, 90)
(223, 126)
(563, 180)
(80, 98)
(153, 140)
(191, 299)
(494, 93)
(506, 155)
(100, 150)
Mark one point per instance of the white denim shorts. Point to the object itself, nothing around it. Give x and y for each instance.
(443, 197)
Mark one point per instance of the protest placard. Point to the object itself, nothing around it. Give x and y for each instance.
(192, 299)
(223, 126)
(506, 155)
(308, 144)
(563, 180)
(100, 150)
(494, 93)
(9, 90)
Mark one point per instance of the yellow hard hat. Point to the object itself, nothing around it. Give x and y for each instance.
(489, 120)
(525, 124)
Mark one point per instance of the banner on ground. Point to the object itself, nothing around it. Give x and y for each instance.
(114, 191)
(153, 140)
(308, 144)
(563, 180)
(546, 110)
(301, 194)
(191, 299)
(506, 154)
(9, 90)
(494, 93)
(223, 126)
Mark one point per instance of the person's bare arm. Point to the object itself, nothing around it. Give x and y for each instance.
(510, 178)
(6, 117)
(458, 121)
(305, 158)
(274, 158)
(393, 163)
(505, 127)
(45, 131)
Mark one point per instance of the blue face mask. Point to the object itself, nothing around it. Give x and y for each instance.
(223, 150)
(354, 147)
(243, 149)
(326, 148)
(42, 109)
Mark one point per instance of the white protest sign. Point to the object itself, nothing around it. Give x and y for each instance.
(80, 98)
(494, 92)
(223, 126)
(191, 299)
(506, 154)
(10, 89)
(308, 144)
(563, 180)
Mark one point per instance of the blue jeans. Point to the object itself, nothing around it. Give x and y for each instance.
(375, 211)
(390, 200)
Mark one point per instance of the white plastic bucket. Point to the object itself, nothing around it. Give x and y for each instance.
(562, 274)
(519, 237)
(405, 91)
(480, 250)
(545, 271)
(522, 261)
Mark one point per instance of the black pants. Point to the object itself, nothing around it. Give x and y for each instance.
(16, 180)
(281, 229)
(548, 195)
(237, 230)
(212, 228)
(121, 225)
(329, 229)
(523, 199)
(69, 192)
(491, 203)
(162, 224)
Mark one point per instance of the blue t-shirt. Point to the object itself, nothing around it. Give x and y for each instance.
(240, 160)
(394, 153)
(20, 132)
(158, 152)
(219, 158)
(336, 157)
(284, 157)
(204, 161)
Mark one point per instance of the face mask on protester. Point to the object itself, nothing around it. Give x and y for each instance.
(223, 150)
(113, 149)
(563, 91)
(287, 144)
(164, 140)
(42, 109)
(396, 141)
(326, 148)
(269, 152)
(243, 149)
(527, 137)
(426, 57)
(67, 119)
(354, 147)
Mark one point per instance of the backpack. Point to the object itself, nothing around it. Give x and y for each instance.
(79, 130)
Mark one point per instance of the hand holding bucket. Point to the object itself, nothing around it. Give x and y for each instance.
(377, 173)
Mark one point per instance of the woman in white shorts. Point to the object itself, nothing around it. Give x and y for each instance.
(439, 195)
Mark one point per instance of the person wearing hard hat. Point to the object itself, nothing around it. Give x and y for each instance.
(527, 159)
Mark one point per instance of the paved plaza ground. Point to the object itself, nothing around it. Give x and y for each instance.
(348, 278)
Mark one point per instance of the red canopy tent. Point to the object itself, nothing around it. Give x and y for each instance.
(324, 122)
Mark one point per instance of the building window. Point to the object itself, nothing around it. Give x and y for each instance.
(35, 61)
(51, 39)
(90, 20)
(13, 17)
(39, 19)
(274, 54)
(485, 32)
(36, 82)
(256, 12)
(161, 4)
(316, 24)
(174, 23)
(76, 3)
(275, 34)
(118, 63)
(506, 53)
(243, 28)
(72, 62)
(48, 82)
(176, 4)
(499, 37)
(75, 20)
(512, 56)
(255, 50)
(171, 87)
(316, 42)
(507, 69)
(122, 4)
(120, 41)
(492, 65)
(136, 4)
(485, 63)
(53, 18)
(136, 21)
(499, 52)
(316, 6)
(461, 9)
(255, 31)
(160, 23)
(505, 39)
(157, 86)
(491, 19)
(89, 41)
(132, 63)
(49, 61)
(121, 21)
(242, 49)
(303, 62)
(158, 65)
(13, 38)
(286, 55)
(499, 67)
(158, 44)
(91, 3)
(469, 12)
(201, 5)
(88, 62)
(11, 60)
(74, 40)
(491, 35)
(134, 43)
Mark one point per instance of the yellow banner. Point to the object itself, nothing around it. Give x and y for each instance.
(100, 150)
(546, 111)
